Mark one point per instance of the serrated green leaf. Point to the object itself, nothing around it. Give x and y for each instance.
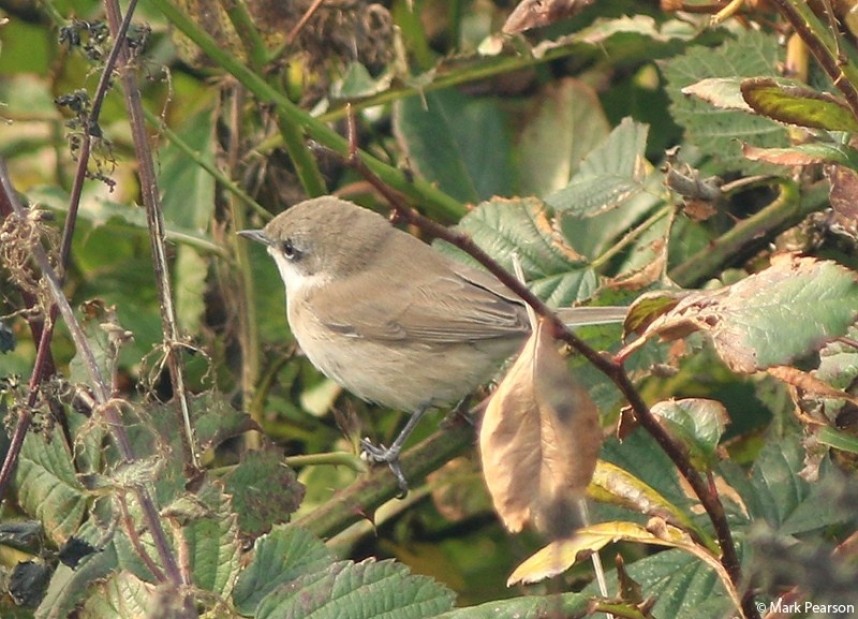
(121, 595)
(682, 586)
(525, 607)
(360, 591)
(522, 227)
(264, 491)
(717, 131)
(48, 487)
(750, 322)
(776, 493)
(722, 92)
(70, 587)
(279, 557)
(214, 419)
(637, 36)
(566, 124)
(697, 424)
(211, 543)
(610, 174)
(796, 104)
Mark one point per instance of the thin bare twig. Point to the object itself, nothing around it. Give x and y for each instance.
(155, 221)
(290, 38)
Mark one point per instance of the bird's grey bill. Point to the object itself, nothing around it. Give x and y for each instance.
(255, 235)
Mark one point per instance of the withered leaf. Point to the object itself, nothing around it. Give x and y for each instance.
(536, 13)
(754, 324)
(539, 441)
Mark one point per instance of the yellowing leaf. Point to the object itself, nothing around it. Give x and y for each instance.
(752, 323)
(539, 441)
(560, 555)
(615, 485)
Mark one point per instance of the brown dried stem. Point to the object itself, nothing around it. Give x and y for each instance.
(41, 329)
(155, 221)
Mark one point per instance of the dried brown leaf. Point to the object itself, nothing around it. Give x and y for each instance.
(539, 441)
(809, 383)
(536, 13)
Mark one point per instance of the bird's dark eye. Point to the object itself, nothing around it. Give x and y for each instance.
(289, 250)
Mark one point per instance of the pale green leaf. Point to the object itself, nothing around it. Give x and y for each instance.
(48, 487)
(610, 174)
(359, 591)
(716, 131)
(565, 124)
(279, 557)
(695, 423)
(522, 227)
(751, 322)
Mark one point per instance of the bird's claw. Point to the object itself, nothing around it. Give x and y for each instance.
(386, 455)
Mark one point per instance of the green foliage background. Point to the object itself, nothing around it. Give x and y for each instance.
(558, 146)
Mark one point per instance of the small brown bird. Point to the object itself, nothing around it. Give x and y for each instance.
(389, 318)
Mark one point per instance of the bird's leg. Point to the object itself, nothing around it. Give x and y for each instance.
(460, 413)
(390, 455)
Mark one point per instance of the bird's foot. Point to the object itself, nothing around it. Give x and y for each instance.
(386, 455)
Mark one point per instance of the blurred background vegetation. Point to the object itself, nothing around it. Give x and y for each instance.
(576, 144)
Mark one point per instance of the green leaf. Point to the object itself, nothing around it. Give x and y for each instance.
(752, 323)
(697, 424)
(120, 218)
(805, 154)
(358, 82)
(70, 587)
(838, 440)
(210, 540)
(776, 493)
(722, 92)
(796, 104)
(279, 557)
(121, 595)
(215, 420)
(358, 591)
(264, 491)
(48, 487)
(522, 227)
(715, 131)
(525, 607)
(682, 586)
(566, 123)
(180, 178)
(457, 142)
(609, 175)
(479, 129)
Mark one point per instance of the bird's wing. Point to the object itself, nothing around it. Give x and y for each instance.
(463, 304)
